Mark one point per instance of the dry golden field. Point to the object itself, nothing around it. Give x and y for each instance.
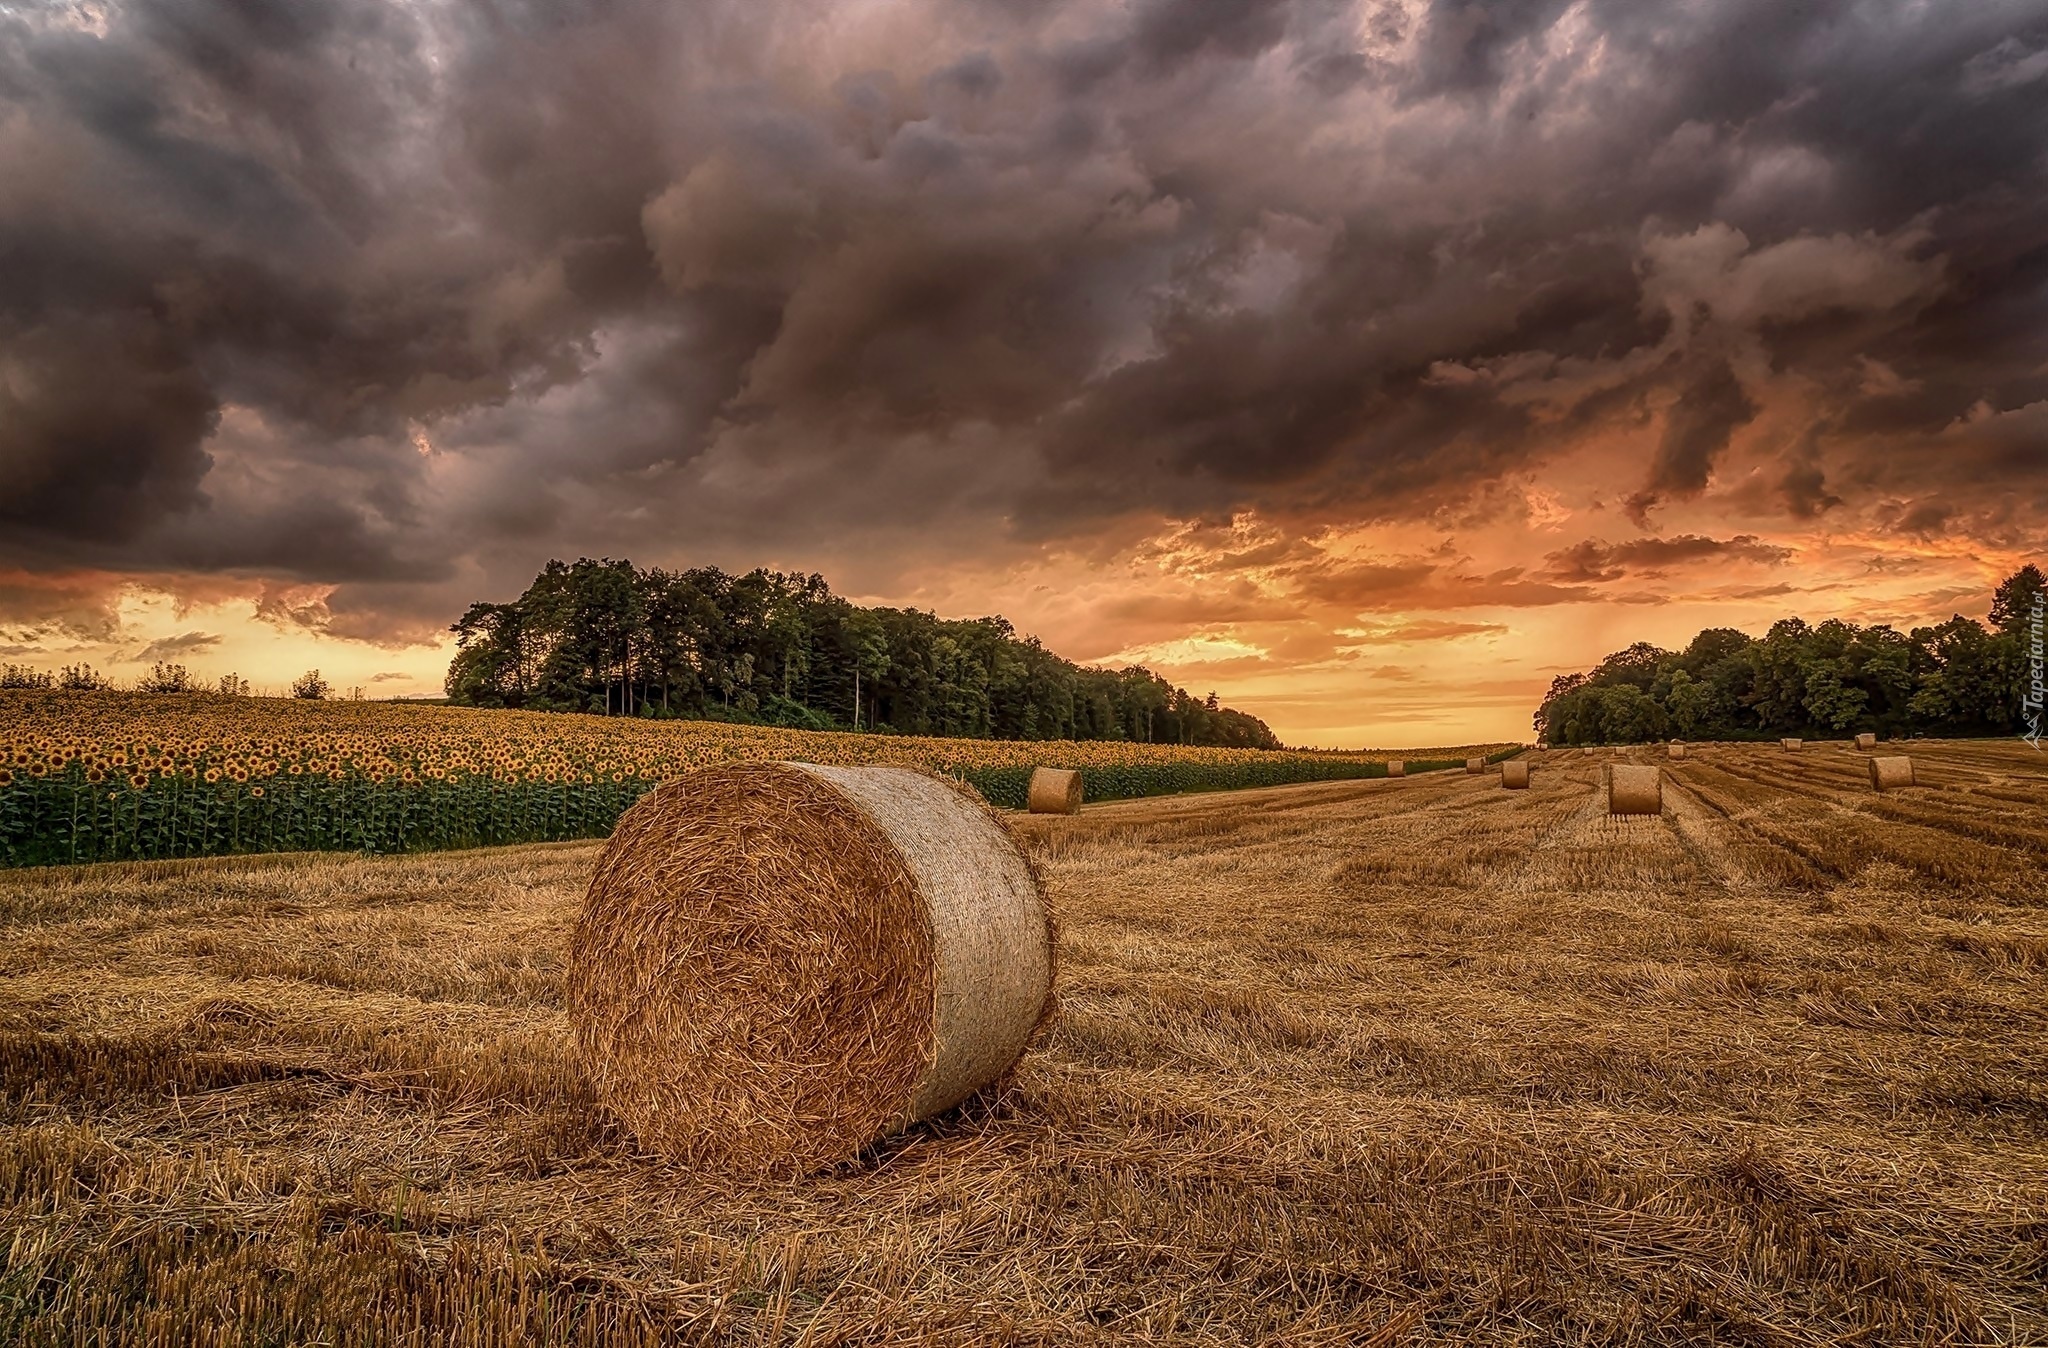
(1386, 1062)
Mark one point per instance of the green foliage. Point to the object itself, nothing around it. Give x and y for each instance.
(2014, 599)
(22, 676)
(1955, 678)
(775, 649)
(64, 818)
(163, 678)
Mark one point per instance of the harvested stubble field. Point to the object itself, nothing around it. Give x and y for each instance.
(1384, 1062)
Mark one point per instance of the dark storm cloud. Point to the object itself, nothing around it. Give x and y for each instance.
(406, 297)
(1593, 560)
(1706, 416)
(177, 647)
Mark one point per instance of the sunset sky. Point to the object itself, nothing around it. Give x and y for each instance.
(1366, 363)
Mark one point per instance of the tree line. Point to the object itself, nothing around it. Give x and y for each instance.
(1957, 678)
(781, 649)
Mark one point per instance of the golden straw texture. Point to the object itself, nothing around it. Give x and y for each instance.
(778, 963)
(1866, 740)
(1397, 767)
(1790, 745)
(1475, 765)
(1635, 789)
(1514, 774)
(1891, 771)
(1674, 751)
(1053, 791)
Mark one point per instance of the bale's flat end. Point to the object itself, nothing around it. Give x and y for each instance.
(1635, 789)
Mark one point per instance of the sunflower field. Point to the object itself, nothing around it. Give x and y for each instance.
(89, 776)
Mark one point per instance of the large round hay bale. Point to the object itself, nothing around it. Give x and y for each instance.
(1674, 751)
(1514, 775)
(1053, 791)
(779, 963)
(1866, 741)
(1790, 745)
(1397, 768)
(1891, 771)
(1475, 765)
(1635, 789)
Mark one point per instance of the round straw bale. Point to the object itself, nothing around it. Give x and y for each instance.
(1397, 768)
(1866, 741)
(1589, 751)
(779, 963)
(1514, 774)
(1475, 765)
(1635, 789)
(1891, 771)
(1053, 791)
(1790, 745)
(1674, 751)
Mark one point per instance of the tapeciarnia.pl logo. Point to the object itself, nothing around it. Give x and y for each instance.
(2030, 703)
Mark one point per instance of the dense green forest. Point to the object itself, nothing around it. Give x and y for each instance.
(1956, 678)
(779, 649)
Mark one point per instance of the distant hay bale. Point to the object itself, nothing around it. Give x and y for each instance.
(779, 963)
(1891, 771)
(1674, 751)
(1790, 745)
(1053, 791)
(1866, 741)
(1397, 768)
(1514, 775)
(1589, 751)
(1475, 765)
(1635, 789)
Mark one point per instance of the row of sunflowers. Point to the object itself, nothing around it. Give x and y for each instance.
(119, 776)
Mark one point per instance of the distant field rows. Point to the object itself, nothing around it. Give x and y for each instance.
(107, 776)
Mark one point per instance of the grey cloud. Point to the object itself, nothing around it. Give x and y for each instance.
(1707, 414)
(1593, 560)
(177, 647)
